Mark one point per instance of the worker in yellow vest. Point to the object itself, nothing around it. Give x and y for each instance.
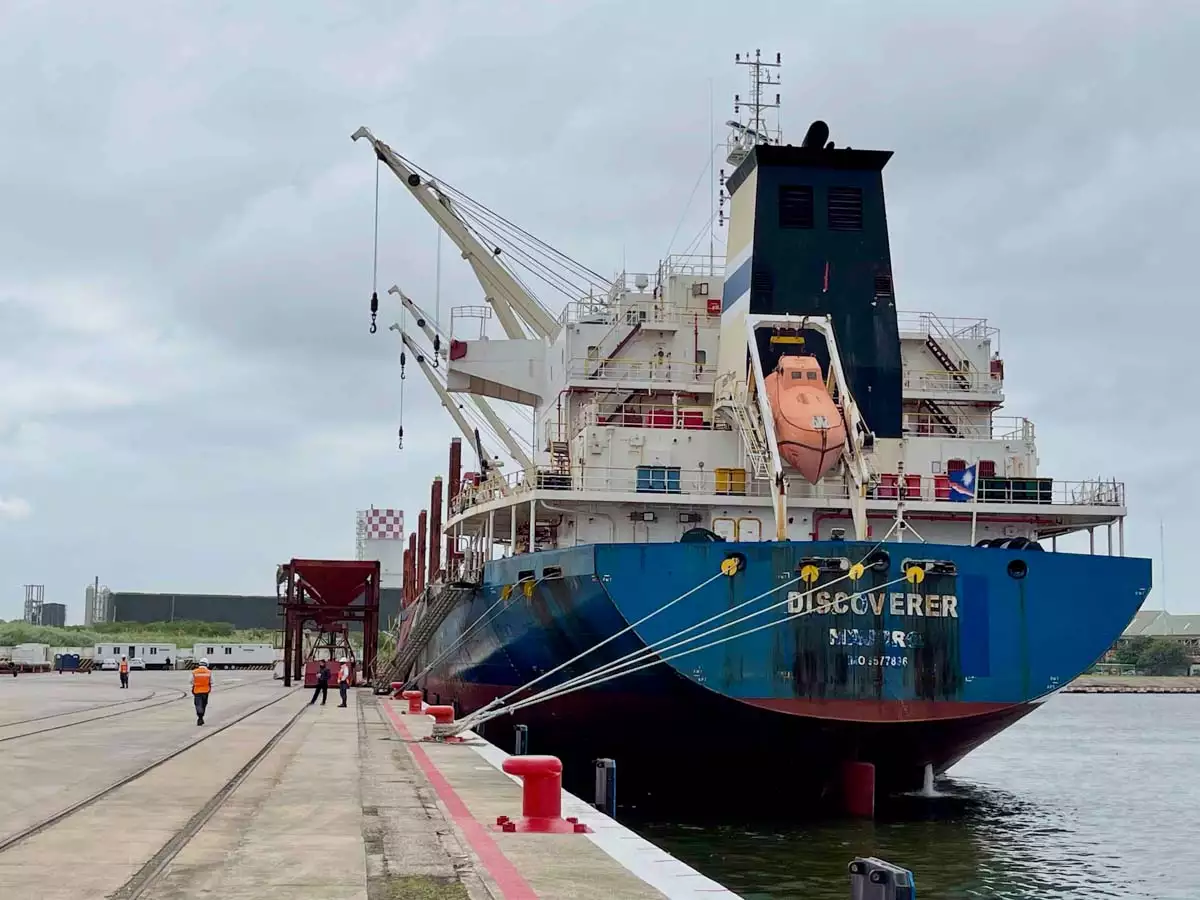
(124, 670)
(343, 679)
(201, 688)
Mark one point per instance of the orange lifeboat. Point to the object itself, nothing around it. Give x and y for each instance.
(808, 424)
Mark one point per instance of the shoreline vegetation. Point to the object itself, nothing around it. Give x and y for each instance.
(181, 633)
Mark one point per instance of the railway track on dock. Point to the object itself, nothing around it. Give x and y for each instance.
(151, 871)
(139, 704)
(149, 874)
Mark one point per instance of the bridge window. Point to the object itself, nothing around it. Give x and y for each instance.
(987, 468)
(796, 206)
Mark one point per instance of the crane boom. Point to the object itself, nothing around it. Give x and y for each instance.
(506, 296)
(501, 428)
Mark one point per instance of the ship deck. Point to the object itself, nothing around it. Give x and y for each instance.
(112, 793)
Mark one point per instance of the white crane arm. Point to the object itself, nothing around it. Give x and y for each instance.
(503, 291)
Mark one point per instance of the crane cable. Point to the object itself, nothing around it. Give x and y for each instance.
(479, 715)
(588, 679)
(375, 257)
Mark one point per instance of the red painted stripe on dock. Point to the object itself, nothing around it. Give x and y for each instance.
(503, 872)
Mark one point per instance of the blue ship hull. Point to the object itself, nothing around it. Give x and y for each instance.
(879, 670)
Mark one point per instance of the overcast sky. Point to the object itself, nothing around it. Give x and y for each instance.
(188, 391)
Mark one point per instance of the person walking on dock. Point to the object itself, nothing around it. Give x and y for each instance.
(322, 688)
(201, 688)
(124, 670)
(343, 679)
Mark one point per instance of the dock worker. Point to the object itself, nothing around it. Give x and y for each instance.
(124, 670)
(201, 688)
(322, 688)
(343, 679)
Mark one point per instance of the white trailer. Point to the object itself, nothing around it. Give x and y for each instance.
(225, 656)
(156, 656)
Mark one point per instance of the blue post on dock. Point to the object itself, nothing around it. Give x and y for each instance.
(877, 879)
(606, 786)
(521, 740)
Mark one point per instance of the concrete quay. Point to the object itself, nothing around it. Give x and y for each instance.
(119, 794)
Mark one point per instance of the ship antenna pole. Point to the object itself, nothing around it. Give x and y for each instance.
(712, 184)
(1162, 559)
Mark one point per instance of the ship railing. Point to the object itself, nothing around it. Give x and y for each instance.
(625, 369)
(960, 382)
(956, 328)
(961, 427)
(649, 415)
(649, 311)
(700, 265)
(737, 482)
(589, 311)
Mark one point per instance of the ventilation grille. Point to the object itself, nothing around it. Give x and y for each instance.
(845, 209)
(883, 286)
(762, 288)
(796, 206)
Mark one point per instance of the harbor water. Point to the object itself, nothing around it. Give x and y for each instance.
(1090, 796)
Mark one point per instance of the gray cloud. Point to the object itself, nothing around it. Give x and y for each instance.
(189, 394)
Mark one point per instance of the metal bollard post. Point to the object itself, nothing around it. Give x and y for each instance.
(521, 741)
(877, 879)
(606, 786)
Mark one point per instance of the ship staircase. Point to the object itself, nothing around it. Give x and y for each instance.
(940, 416)
(938, 338)
(621, 344)
(748, 420)
(427, 616)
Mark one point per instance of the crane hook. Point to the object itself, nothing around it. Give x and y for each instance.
(374, 310)
(437, 349)
(400, 439)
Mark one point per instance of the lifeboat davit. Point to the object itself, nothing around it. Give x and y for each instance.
(808, 424)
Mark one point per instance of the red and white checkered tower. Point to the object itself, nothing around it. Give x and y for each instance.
(380, 536)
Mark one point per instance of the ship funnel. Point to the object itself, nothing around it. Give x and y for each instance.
(817, 135)
(808, 237)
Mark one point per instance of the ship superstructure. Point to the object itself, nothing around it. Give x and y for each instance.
(904, 523)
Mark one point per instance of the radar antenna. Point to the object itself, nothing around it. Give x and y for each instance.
(758, 128)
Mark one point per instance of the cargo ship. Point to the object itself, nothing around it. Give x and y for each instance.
(755, 523)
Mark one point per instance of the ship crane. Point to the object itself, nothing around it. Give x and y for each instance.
(438, 338)
(512, 302)
(470, 434)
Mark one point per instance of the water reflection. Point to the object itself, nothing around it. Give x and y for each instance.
(1091, 797)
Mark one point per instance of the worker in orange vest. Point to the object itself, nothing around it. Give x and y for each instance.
(201, 688)
(124, 670)
(343, 679)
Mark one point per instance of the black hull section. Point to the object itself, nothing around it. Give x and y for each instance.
(685, 750)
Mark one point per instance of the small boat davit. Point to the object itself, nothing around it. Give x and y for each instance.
(808, 423)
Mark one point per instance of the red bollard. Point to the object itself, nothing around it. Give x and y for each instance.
(443, 725)
(541, 797)
(414, 701)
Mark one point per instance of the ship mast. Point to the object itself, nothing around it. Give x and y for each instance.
(758, 128)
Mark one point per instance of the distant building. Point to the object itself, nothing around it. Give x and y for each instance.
(54, 614)
(1162, 624)
(97, 605)
(238, 610)
(379, 535)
